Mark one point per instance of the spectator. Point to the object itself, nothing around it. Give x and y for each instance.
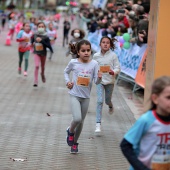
(123, 19)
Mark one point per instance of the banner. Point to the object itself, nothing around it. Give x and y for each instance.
(94, 39)
(130, 59)
(140, 76)
(99, 3)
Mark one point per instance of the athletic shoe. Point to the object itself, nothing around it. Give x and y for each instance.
(35, 85)
(111, 110)
(98, 128)
(74, 148)
(19, 70)
(70, 138)
(25, 73)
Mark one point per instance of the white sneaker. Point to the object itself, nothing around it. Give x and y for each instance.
(111, 110)
(25, 73)
(98, 128)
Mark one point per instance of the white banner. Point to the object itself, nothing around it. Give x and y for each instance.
(130, 59)
(99, 3)
(94, 39)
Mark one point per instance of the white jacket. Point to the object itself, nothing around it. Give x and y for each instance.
(106, 62)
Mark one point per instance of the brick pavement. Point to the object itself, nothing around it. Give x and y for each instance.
(27, 132)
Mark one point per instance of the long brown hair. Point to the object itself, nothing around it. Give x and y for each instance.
(157, 88)
(112, 40)
(75, 48)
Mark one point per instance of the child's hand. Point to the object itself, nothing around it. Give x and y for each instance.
(70, 85)
(111, 72)
(99, 74)
(38, 39)
(141, 35)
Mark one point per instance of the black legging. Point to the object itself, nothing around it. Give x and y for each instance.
(65, 38)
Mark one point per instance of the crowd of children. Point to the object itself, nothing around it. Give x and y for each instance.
(146, 144)
(35, 34)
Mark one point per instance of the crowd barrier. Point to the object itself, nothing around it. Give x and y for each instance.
(132, 60)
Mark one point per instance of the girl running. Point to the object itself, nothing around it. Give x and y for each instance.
(109, 66)
(77, 35)
(147, 144)
(12, 23)
(40, 42)
(52, 34)
(24, 37)
(84, 71)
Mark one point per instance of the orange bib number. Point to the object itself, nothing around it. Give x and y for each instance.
(83, 81)
(27, 40)
(104, 69)
(160, 166)
(39, 47)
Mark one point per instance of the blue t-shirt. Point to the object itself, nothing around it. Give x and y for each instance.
(150, 137)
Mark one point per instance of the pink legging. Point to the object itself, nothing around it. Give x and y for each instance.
(37, 60)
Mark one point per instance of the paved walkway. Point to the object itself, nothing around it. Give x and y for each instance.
(27, 132)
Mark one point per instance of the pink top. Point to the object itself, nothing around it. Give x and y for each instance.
(18, 27)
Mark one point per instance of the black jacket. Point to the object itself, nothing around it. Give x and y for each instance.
(45, 43)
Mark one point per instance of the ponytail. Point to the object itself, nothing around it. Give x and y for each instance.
(74, 48)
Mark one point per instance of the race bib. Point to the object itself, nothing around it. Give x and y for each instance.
(27, 40)
(38, 47)
(104, 68)
(83, 80)
(51, 38)
(160, 162)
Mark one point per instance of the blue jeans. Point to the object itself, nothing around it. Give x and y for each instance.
(101, 89)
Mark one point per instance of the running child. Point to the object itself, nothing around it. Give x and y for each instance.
(147, 144)
(77, 35)
(24, 37)
(110, 67)
(52, 34)
(84, 71)
(40, 42)
(12, 23)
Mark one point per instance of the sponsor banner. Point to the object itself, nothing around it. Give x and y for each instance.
(130, 59)
(99, 3)
(140, 76)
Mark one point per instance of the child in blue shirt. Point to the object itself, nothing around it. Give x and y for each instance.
(147, 144)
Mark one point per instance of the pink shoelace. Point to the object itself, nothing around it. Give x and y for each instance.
(71, 138)
(74, 146)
